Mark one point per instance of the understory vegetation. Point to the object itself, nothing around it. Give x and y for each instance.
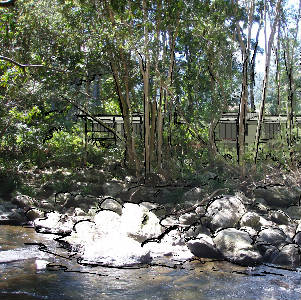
(180, 64)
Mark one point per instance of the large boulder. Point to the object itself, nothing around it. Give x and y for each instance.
(203, 246)
(140, 223)
(193, 195)
(56, 223)
(113, 188)
(253, 220)
(23, 201)
(237, 247)
(289, 256)
(294, 212)
(272, 236)
(109, 203)
(277, 196)
(13, 217)
(279, 217)
(34, 213)
(225, 212)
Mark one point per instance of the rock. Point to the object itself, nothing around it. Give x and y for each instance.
(289, 230)
(55, 223)
(244, 199)
(203, 246)
(200, 211)
(104, 243)
(297, 239)
(13, 217)
(112, 204)
(277, 196)
(112, 188)
(272, 236)
(268, 252)
(171, 244)
(139, 222)
(279, 217)
(251, 231)
(253, 220)
(298, 227)
(237, 247)
(188, 218)
(63, 199)
(294, 212)
(225, 212)
(289, 256)
(23, 201)
(195, 230)
(116, 250)
(79, 212)
(107, 221)
(261, 207)
(34, 213)
(194, 195)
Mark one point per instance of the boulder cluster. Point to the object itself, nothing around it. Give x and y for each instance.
(111, 231)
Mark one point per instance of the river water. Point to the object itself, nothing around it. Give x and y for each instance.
(30, 270)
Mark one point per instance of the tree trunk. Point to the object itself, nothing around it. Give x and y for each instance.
(266, 78)
(128, 129)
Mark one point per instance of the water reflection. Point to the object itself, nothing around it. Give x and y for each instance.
(22, 278)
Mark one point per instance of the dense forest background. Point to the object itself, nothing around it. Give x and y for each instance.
(169, 60)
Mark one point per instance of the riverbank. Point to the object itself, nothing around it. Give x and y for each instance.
(125, 223)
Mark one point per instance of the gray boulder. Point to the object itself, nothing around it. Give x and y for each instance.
(277, 196)
(193, 195)
(113, 188)
(289, 256)
(225, 212)
(279, 217)
(203, 246)
(294, 212)
(34, 213)
(237, 247)
(13, 217)
(253, 220)
(188, 218)
(272, 236)
(112, 204)
(23, 201)
(297, 239)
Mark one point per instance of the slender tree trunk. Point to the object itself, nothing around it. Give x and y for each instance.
(160, 129)
(253, 62)
(145, 68)
(153, 127)
(245, 48)
(128, 129)
(266, 78)
(278, 69)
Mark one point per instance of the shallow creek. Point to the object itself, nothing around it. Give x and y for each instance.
(29, 271)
